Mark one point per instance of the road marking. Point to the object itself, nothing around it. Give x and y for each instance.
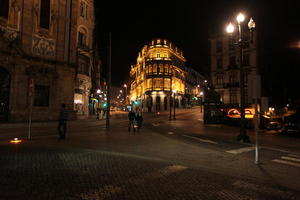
(241, 150)
(286, 162)
(290, 158)
(200, 119)
(171, 133)
(293, 155)
(155, 124)
(202, 140)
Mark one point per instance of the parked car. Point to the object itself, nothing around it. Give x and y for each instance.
(274, 125)
(290, 128)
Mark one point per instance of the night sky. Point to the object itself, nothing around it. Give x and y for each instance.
(188, 25)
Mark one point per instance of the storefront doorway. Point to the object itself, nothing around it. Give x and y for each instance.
(4, 94)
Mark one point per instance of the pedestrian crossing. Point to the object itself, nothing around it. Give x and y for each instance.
(290, 159)
(241, 150)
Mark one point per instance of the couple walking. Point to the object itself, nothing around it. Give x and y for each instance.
(135, 120)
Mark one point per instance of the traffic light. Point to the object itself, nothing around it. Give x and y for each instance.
(104, 105)
(136, 102)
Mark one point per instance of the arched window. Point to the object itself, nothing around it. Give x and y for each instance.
(82, 37)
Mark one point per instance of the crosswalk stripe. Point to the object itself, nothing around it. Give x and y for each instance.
(293, 155)
(290, 158)
(241, 150)
(286, 162)
(202, 140)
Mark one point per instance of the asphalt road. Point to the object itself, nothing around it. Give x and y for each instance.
(177, 159)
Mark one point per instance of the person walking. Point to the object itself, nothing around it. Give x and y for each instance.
(62, 122)
(98, 113)
(131, 117)
(139, 119)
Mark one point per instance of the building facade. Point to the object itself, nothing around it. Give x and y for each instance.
(224, 55)
(196, 85)
(158, 75)
(46, 58)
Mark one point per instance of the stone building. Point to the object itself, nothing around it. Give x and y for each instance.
(196, 84)
(224, 55)
(46, 58)
(159, 71)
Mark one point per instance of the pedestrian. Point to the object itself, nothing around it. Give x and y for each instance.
(62, 122)
(98, 113)
(139, 119)
(131, 118)
(104, 113)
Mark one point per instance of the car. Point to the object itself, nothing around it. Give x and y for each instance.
(274, 125)
(290, 128)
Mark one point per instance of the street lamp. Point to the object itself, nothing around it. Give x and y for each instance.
(230, 29)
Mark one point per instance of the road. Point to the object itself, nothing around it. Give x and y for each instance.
(176, 159)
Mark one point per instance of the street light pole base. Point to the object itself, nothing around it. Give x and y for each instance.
(243, 138)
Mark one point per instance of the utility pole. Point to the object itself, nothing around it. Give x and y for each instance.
(170, 114)
(108, 84)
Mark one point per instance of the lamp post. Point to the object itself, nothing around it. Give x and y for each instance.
(230, 29)
(201, 101)
(174, 95)
(125, 86)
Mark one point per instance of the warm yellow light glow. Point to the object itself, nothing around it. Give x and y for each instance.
(16, 141)
(230, 28)
(235, 113)
(251, 24)
(240, 18)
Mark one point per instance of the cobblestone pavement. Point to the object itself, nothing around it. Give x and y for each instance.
(94, 165)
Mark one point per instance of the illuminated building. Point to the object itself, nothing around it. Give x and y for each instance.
(159, 71)
(46, 44)
(224, 56)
